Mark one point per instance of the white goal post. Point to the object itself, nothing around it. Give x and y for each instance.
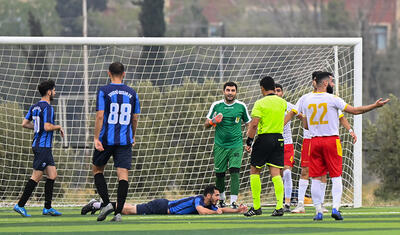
(177, 79)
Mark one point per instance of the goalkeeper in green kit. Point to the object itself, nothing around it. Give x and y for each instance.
(227, 116)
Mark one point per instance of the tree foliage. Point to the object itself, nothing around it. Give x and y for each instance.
(382, 149)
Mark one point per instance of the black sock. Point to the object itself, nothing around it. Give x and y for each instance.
(114, 204)
(121, 195)
(48, 193)
(101, 186)
(29, 187)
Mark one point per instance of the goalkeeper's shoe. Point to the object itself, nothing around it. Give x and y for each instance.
(116, 218)
(336, 214)
(21, 210)
(234, 205)
(221, 204)
(252, 212)
(89, 208)
(318, 216)
(108, 209)
(277, 212)
(299, 208)
(51, 211)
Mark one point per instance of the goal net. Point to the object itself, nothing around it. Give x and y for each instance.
(177, 80)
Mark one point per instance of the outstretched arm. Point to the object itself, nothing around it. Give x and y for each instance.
(241, 209)
(204, 211)
(365, 108)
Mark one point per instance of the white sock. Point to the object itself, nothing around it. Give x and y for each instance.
(97, 205)
(287, 183)
(233, 198)
(323, 188)
(337, 189)
(222, 196)
(316, 194)
(303, 184)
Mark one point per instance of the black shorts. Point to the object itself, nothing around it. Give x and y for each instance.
(42, 158)
(122, 155)
(268, 149)
(155, 207)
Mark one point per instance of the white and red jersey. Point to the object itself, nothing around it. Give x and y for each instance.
(322, 112)
(296, 109)
(287, 130)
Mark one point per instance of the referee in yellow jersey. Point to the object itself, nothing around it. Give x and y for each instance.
(267, 120)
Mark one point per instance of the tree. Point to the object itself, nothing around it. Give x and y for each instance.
(382, 150)
(153, 25)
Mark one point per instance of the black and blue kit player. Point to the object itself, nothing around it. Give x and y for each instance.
(40, 118)
(117, 110)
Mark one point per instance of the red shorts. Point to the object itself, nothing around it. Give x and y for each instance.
(305, 153)
(288, 155)
(326, 156)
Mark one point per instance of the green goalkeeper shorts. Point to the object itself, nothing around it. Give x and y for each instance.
(225, 158)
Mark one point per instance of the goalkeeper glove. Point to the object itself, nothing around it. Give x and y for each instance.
(217, 119)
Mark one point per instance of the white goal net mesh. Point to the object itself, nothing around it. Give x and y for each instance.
(176, 87)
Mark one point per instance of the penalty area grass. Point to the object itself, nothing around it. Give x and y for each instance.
(369, 220)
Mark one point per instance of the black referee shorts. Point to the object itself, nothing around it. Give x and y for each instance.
(268, 150)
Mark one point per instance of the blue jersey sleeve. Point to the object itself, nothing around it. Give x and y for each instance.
(137, 105)
(214, 208)
(198, 201)
(48, 115)
(100, 104)
(28, 116)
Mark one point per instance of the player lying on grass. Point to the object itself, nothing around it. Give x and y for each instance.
(202, 204)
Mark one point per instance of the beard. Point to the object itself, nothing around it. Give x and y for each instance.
(329, 89)
(51, 97)
(230, 98)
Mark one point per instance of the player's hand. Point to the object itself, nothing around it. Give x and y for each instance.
(381, 102)
(217, 119)
(248, 149)
(134, 142)
(353, 134)
(242, 208)
(219, 211)
(98, 145)
(62, 132)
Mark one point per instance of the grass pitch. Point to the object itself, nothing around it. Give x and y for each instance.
(383, 221)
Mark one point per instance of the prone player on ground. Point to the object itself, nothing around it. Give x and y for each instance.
(205, 204)
(321, 118)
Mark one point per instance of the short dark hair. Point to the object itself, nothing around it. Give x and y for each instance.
(322, 76)
(230, 84)
(314, 74)
(277, 85)
(45, 86)
(116, 68)
(268, 83)
(210, 190)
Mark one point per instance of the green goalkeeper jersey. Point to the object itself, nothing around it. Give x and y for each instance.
(228, 133)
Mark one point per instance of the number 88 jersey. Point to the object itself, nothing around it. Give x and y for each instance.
(119, 103)
(321, 111)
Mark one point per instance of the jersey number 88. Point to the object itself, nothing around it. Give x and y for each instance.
(125, 114)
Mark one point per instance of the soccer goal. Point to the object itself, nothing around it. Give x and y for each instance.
(177, 80)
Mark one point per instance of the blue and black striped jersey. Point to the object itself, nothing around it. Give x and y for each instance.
(119, 102)
(41, 113)
(188, 205)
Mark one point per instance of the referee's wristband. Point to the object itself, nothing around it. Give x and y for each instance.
(351, 130)
(249, 141)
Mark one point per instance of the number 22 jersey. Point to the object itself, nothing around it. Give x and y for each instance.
(119, 102)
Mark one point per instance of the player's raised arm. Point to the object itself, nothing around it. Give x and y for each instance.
(366, 108)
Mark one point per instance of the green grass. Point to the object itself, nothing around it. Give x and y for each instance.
(384, 220)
